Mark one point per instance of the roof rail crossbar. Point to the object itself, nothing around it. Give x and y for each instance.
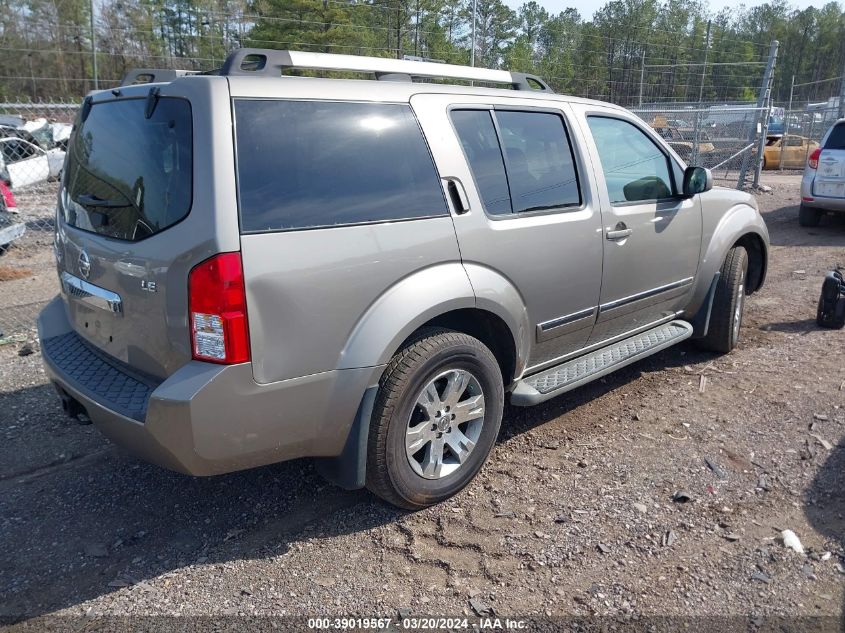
(271, 62)
(153, 75)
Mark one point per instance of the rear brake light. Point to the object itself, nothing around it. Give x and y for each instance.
(8, 198)
(813, 160)
(217, 305)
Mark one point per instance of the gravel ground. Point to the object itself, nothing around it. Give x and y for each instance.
(572, 515)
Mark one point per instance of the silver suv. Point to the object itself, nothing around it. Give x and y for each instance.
(258, 267)
(823, 184)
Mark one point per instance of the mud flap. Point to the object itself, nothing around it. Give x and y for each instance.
(701, 321)
(349, 469)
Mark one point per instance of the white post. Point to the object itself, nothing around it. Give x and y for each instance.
(762, 121)
(642, 78)
(695, 149)
(472, 50)
(842, 95)
(94, 48)
(766, 93)
(786, 125)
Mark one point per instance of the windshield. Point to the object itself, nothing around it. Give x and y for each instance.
(129, 176)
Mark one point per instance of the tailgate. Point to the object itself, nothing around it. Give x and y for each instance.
(830, 174)
(138, 208)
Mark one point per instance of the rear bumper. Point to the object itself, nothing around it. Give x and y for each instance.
(204, 419)
(828, 204)
(808, 199)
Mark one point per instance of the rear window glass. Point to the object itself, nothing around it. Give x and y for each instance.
(128, 176)
(836, 140)
(309, 164)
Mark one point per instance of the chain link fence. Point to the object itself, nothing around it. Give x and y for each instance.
(722, 137)
(33, 141)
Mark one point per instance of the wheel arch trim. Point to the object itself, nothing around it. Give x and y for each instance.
(426, 295)
(741, 222)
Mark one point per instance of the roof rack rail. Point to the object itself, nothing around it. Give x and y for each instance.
(154, 75)
(271, 63)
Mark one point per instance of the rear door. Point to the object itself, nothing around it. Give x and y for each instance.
(830, 176)
(138, 208)
(651, 234)
(533, 215)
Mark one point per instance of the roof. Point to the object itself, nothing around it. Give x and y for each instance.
(251, 70)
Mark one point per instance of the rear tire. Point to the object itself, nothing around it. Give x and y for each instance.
(435, 420)
(809, 216)
(728, 304)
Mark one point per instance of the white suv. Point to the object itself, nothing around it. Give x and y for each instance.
(823, 184)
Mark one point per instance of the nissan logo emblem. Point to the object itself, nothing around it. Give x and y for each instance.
(84, 264)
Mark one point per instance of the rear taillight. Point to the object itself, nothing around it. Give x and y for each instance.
(217, 305)
(813, 160)
(8, 198)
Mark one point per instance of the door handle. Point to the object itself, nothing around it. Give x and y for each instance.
(458, 195)
(619, 232)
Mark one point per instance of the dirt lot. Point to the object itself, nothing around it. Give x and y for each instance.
(573, 514)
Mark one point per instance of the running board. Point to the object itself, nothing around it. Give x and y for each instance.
(579, 371)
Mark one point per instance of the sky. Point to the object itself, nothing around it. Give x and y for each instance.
(587, 7)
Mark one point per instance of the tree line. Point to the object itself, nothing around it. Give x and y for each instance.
(627, 51)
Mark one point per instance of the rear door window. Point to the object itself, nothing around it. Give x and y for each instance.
(311, 164)
(836, 140)
(521, 161)
(129, 176)
(541, 168)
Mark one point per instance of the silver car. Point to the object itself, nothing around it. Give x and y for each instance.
(258, 267)
(823, 184)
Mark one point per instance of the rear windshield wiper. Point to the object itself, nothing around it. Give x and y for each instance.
(90, 200)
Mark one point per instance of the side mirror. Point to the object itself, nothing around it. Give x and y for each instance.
(697, 180)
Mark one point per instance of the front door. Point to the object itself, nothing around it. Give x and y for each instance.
(651, 234)
(531, 228)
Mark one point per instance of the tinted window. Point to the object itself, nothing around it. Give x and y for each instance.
(836, 140)
(541, 169)
(304, 164)
(481, 146)
(129, 176)
(634, 167)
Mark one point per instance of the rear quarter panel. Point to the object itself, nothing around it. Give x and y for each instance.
(152, 333)
(309, 292)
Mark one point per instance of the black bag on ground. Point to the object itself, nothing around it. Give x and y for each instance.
(831, 312)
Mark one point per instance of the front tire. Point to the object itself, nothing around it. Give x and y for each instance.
(809, 216)
(728, 304)
(435, 420)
